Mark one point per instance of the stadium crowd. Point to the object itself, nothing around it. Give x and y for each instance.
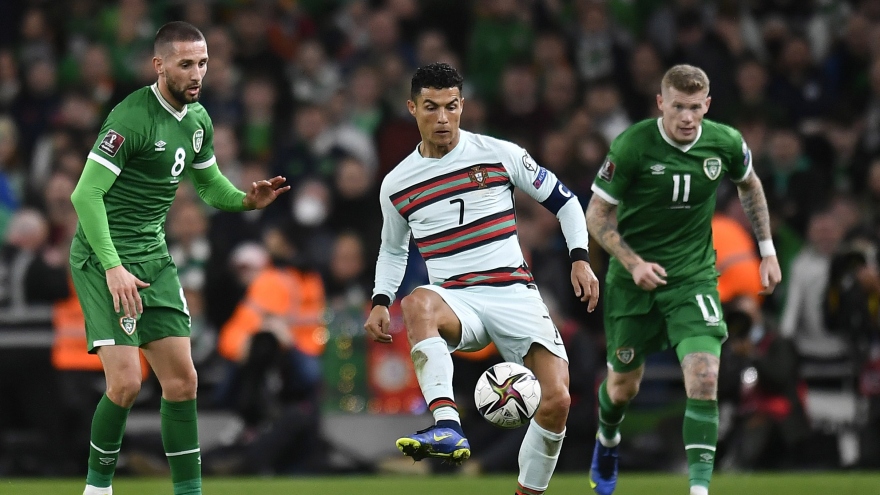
(315, 90)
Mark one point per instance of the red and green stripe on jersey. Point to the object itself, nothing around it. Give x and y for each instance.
(497, 277)
(461, 238)
(448, 185)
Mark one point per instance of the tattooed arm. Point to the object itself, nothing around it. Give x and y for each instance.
(602, 225)
(754, 203)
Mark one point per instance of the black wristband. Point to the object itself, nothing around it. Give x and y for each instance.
(381, 300)
(579, 254)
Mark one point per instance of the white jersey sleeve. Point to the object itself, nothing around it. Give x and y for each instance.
(543, 185)
(394, 250)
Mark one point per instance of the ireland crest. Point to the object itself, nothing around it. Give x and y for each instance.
(712, 167)
(128, 324)
(626, 354)
(479, 175)
(198, 137)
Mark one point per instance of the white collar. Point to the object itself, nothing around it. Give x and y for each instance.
(682, 147)
(167, 106)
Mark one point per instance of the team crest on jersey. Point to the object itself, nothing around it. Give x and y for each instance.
(128, 324)
(479, 175)
(529, 164)
(626, 354)
(198, 137)
(712, 167)
(606, 173)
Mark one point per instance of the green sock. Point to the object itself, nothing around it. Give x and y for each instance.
(700, 432)
(610, 415)
(180, 437)
(108, 425)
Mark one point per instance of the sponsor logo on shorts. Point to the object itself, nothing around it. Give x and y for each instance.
(606, 173)
(540, 178)
(128, 324)
(111, 143)
(626, 354)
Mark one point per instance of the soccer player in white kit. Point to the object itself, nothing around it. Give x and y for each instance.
(454, 196)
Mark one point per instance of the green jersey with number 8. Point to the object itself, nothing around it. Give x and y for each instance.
(665, 195)
(148, 145)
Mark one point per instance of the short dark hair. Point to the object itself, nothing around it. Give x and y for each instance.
(438, 75)
(176, 31)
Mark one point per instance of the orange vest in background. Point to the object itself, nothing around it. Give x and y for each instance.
(736, 260)
(69, 347)
(297, 297)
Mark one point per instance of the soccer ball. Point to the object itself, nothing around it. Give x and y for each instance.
(507, 395)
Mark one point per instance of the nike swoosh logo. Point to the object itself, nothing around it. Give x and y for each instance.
(415, 196)
(437, 437)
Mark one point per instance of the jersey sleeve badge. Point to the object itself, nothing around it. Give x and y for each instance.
(111, 143)
(606, 173)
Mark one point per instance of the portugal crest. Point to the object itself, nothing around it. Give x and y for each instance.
(128, 324)
(626, 354)
(712, 167)
(479, 175)
(198, 137)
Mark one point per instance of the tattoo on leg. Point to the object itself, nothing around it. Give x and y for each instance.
(700, 375)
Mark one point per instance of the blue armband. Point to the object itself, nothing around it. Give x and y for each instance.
(558, 197)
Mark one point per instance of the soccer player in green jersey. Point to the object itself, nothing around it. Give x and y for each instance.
(651, 210)
(125, 279)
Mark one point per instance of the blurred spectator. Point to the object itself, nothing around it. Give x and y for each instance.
(430, 47)
(128, 31)
(289, 26)
(736, 259)
(799, 86)
(849, 165)
(550, 53)
(500, 35)
(222, 95)
(261, 114)
(10, 85)
(383, 39)
(347, 282)
(11, 173)
(559, 95)
(803, 319)
(589, 155)
(599, 47)
(603, 104)
(59, 212)
(37, 37)
(188, 243)
(354, 205)
(314, 78)
(643, 82)
(92, 73)
(310, 210)
(519, 115)
(29, 273)
(365, 111)
(791, 179)
(227, 152)
(253, 53)
(752, 82)
(850, 59)
(760, 376)
(36, 105)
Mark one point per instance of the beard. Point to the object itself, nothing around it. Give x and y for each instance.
(179, 93)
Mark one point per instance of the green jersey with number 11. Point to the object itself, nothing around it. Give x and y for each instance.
(148, 144)
(665, 195)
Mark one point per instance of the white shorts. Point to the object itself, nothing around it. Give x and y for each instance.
(513, 317)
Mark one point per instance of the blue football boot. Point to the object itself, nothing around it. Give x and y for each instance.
(603, 469)
(442, 443)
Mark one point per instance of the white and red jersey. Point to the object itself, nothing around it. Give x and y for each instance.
(459, 209)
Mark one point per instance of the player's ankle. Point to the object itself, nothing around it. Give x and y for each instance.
(95, 490)
(699, 490)
(609, 442)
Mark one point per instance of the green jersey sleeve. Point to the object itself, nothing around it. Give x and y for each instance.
(205, 149)
(617, 172)
(116, 143)
(741, 158)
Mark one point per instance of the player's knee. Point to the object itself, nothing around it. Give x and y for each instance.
(415, 305)
(623, 392)
(553, 411)
(703, 385)
(123, 390)
(182, 387)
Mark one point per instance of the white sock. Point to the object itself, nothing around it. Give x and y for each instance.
(699, 490)
(433, 365)
(613, 442)
(537, 457)
(94, 490)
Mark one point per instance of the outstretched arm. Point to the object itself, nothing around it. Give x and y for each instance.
(754, 203)
(602, 224)
(216, 190)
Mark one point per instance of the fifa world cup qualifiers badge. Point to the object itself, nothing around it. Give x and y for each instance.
(606, 173)
(111, 143)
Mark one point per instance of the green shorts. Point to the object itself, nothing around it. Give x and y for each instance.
(165, 310)
(639, 322)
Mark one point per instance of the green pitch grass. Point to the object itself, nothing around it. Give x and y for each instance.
(630, 484)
